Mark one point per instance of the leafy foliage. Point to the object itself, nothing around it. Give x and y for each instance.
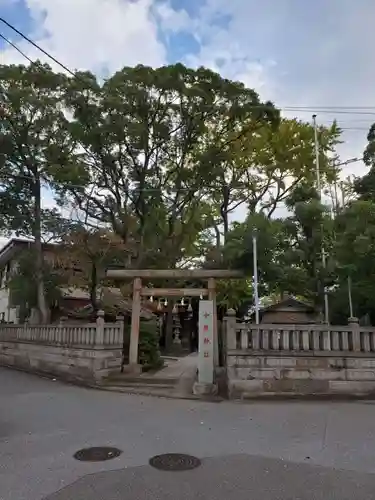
(22, 285)
(289, 250)
(156, 162)
(34, 145)
(149, 352)
(355, 251)
(35, 153)
(83, 255)
(150, 139)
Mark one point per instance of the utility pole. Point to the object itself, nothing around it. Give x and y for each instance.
(337, 207)
(317, 166)
(342, 188)
(350, 297)
(255, 272)
(349, 279)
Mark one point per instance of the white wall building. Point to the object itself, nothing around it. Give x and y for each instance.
(8, 264)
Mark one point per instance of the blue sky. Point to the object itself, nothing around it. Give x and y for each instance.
(295, 52)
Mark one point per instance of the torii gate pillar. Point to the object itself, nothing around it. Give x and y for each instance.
(152, 274)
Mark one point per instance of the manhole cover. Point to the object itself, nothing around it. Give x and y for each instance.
(97, 454)
(174, 462)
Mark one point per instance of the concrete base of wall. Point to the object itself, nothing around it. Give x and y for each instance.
(88, 365)
(205, 389)
(283, 374)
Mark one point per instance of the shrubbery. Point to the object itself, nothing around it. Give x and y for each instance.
(149, 352)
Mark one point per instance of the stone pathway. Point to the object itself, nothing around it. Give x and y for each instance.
(175, 380)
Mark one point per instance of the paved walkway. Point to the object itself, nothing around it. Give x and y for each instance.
(263, 450)
(178, 367)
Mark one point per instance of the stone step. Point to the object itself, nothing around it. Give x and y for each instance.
(114, 364)
(141, 385)
(125, 379)
(170, 393)
(151, 390)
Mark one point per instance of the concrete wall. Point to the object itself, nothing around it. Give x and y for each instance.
(10, 314)
(269, 374)
(79, 364)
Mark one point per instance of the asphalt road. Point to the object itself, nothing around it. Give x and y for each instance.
(265, 451)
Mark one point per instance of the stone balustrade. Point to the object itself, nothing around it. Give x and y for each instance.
(65, 334)
(273, 359)
(299, 338)
(84, 352)
(305, 338)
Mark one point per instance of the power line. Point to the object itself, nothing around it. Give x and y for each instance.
(36, 46)
(302, 109)
(365, 129)
(331, 111)
(333, 108)
(16, 48)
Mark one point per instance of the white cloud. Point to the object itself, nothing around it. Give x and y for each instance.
(293, 52)
(172, 20)
(299, 54)
(93, 34)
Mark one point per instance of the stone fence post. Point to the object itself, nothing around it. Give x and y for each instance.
(230, 322)
(354, 324)
(99, 338)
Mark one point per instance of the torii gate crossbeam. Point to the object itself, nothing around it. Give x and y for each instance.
(139, 291)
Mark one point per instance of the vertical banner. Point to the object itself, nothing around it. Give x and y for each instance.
(206, 342)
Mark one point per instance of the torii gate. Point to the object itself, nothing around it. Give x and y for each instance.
(139, 291)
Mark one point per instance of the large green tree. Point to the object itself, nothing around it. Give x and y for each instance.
(354, 242)
(35, 153)
(289, 249)
(355, 255)
(365, 186)
(23, 285)
(149, 139)
(261, 168)
(309, 232)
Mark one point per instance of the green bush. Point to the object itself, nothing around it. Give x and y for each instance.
(149, 353)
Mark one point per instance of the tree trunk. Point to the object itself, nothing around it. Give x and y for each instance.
(93, 288)
(224, 211)
(217, 237)
(42, 305)
(225, 224)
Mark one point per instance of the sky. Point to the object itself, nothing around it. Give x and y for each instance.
(297, 53)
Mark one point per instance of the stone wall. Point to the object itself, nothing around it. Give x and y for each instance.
(295, 360)
(81, 353)
(300, 374)
(76, 364)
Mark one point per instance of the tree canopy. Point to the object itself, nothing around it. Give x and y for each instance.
(156, 165)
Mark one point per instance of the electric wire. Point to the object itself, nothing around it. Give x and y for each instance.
(357, 110)
(16, 48)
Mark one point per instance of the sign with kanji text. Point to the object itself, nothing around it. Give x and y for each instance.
(206, 342)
